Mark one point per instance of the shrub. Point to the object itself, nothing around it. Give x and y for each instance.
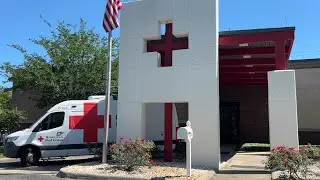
(312, 151)
(97, 150)
(255, 147)
(293, 163)
(129, 154)
(157, 152)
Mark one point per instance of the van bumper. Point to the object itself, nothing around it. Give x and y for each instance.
(10, 150)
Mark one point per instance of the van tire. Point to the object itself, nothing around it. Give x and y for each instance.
(29, 157)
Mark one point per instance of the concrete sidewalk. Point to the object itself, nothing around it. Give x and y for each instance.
(244, 166)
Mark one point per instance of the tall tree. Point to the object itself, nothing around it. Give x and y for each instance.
(73, 66)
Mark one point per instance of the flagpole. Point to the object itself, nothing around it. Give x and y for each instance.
(107, 101)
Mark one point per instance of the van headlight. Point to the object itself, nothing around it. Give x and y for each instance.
(11, 139)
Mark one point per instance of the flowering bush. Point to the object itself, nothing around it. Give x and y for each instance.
(313, 151)
(293, 163)
(128, 154)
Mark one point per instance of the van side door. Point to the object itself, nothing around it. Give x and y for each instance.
(50, 135)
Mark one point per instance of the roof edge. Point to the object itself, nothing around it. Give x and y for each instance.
(304, 63)
(253, 31)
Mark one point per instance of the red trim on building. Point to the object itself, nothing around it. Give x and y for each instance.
(168, 132)
(247, 69)
(245, 51)
(256, 37)
(246, 58)
(246, 62)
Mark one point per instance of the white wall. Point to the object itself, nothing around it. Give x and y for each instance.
(283, 118)
(155, 121)
(112, 135)
(308, 97)
(193, 78)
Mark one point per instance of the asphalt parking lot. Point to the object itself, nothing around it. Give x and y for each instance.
(10, 169)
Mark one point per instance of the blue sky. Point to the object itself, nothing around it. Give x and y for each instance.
(20, 21)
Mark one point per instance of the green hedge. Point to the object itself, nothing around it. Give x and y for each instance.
(250, 147)
(313, 150)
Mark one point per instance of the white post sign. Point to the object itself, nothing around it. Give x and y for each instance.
(186, 133)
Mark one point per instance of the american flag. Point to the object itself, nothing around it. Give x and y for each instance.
(111, 16)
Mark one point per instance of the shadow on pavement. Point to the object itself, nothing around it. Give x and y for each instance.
(51, 165)
(227, 156)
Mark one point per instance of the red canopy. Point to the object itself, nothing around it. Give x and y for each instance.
(246, 56)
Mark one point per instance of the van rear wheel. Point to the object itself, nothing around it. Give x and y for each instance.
(29, 157)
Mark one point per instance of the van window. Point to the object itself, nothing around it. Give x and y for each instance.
(56, 120)
(52, 121)
(44, 124)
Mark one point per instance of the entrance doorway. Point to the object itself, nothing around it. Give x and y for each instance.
(162, 123)
(229, 122)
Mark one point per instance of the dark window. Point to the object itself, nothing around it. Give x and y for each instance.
(43, 125)
(53, 120)
(56, 120)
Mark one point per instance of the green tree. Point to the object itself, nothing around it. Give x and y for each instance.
(9, 116)
(73, 67)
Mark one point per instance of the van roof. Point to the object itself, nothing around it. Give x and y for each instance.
(65, 105)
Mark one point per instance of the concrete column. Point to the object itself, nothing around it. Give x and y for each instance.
(283, 119)
(168, 132)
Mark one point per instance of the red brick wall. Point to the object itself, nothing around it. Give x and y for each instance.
(254, 118)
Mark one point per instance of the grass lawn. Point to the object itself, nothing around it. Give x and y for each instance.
(1, 152)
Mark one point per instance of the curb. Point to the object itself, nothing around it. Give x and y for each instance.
(224, 164)
(206, 176)
(65, 174)
(6, 159)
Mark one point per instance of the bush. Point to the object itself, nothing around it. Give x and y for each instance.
(157, 152)
(312, 151)
(129, 154)
(255, 147)
(293, 163)
(96, 150)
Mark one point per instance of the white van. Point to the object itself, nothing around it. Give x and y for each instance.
(65, 130)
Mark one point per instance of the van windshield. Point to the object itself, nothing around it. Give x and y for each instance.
(37, 121)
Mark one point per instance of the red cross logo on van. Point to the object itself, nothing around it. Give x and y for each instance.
(40, 138)
(90, 122)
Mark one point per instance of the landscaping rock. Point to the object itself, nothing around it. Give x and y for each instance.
(161, 170)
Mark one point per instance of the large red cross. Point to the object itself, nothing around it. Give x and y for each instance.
(90, 122)
(166, 45)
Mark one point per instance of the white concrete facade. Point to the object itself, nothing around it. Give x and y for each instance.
(308, 98)
(193, 77)
(283, 118)
(155, 121)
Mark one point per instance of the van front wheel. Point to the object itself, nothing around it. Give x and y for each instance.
(29, 157)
